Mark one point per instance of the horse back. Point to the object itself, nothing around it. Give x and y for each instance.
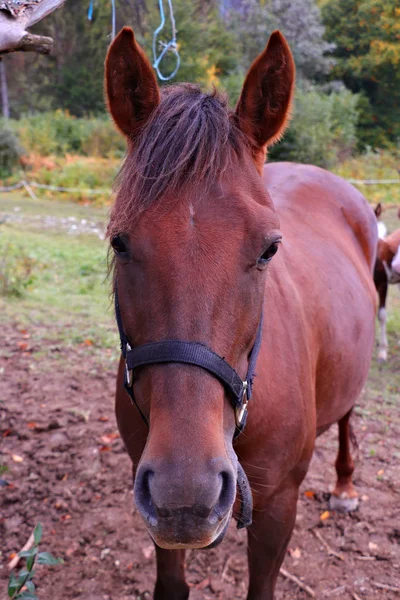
(327, 260)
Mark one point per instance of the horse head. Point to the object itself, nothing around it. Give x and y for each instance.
(193, 231)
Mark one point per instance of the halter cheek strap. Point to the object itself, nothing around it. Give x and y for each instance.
(196, 354)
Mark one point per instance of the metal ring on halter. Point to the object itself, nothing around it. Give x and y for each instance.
(128, 372)
(241, 411)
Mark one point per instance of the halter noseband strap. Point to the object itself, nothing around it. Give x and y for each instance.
(194, 353)
(191, 353)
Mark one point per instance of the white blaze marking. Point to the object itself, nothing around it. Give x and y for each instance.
(382, 229)
(191, 214)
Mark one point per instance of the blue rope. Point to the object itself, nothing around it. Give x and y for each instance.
(170, 46)
(90, 11)
(113, 20)
(90, 16)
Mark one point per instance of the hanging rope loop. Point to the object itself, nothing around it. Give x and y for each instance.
(170, 46)
(90, 16)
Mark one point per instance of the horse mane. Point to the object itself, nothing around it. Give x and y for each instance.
(191, 138)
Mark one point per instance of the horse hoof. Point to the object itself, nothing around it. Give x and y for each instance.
(343, 503)
(382, 356)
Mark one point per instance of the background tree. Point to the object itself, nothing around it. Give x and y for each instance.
(367, 52)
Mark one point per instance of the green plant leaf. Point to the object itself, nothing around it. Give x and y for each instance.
(31, 560)
(13, 585)
(45, 558)
(22, 574)
(27, 596)
(37, 533)
(31, 586)
(25, 553)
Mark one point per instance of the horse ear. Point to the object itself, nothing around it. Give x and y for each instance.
(378, 209)
(264, 105)
(131, 87)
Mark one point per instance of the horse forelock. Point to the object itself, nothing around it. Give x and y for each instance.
(190, 140)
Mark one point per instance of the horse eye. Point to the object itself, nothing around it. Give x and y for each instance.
(268, 254)
(118, 244)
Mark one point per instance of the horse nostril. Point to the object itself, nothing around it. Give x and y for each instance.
(226, 496)
(143, 496)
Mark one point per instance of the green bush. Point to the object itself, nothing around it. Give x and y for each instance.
(16, 271)
(59, 133)
(323, 129)
(10, 151)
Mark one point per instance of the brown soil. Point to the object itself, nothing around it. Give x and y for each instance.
(56, 414)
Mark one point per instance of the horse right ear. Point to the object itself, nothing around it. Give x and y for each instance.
(378, 209)
(131, 87)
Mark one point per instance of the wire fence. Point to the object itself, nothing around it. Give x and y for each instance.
(28, 185)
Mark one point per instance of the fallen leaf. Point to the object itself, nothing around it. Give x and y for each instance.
(148, 551)
(7, 432)
(12, 555)
(108, 438)
(88, 342)
(22, 345)
(372, 546)
(296, 553)
(105, 448)
(65, 518)
(325, 515)
(16, 458)
(309, 494)
(32, 425)
(103, 418)
(203, 584)
(78, 412)
(381, 472)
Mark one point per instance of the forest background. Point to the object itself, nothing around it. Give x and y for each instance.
(346, 116)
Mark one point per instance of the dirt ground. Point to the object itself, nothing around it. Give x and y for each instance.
(68, 470)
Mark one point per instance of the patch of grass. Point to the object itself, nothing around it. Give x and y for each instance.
(70, 171)
(69, 292)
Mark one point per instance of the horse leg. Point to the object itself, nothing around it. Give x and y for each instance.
(170, 584)
(383, 342)
(268, 538)
(344, 497)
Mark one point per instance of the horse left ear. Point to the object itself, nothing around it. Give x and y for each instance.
(264, 105)
(131, 87)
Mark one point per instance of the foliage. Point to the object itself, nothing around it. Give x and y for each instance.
(299, 21)
(61, 133)
(16, 271)
(10, 151)
(374, 165)
(207, 48)
(21, 586)
(323, 129)
(367, 53)
(215, 45)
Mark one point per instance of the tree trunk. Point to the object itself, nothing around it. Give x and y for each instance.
(4, 90)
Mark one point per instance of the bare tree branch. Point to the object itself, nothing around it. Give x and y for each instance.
(13, 29)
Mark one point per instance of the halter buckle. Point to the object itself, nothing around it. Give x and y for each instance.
(128, 372)
(242, 410)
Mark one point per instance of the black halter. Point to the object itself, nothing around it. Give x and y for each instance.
(194, 353)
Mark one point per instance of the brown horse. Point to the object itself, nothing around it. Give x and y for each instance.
(386, 270)
(195, 231)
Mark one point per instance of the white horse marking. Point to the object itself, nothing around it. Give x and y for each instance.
(383, 342)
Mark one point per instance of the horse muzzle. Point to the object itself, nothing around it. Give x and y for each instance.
(184, 509)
